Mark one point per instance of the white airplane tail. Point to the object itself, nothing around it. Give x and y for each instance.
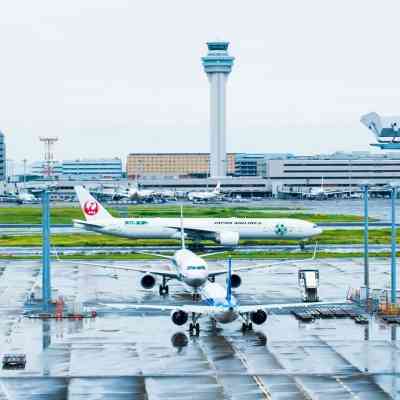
(91, 208)
(182, 230)
(217, 189)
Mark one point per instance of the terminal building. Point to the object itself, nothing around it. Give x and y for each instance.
(81, 169)
(338, 170)
(191, 165)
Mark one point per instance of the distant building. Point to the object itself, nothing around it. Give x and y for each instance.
(2, 157)
(172, 164)
(82, 169)
(92, 169)
(248, 164)
(335, 170)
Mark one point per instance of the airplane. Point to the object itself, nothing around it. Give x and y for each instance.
(220, 304)
(322, 193)
(205, 196)
(25, 198)
(224, 231)
(187, 267)
(132, 193)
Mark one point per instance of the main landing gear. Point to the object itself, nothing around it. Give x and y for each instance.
(302, 246)
(247, 324)
(164, 289)
(194, 327)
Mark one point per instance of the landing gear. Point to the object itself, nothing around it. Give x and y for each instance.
(194, 327)
(164, 289)
(302, 246)
(247, 326)
(196, 296)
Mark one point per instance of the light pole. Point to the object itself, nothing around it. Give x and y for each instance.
(366, 261)
(393, 274)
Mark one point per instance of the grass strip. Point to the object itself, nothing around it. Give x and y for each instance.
(65, 215)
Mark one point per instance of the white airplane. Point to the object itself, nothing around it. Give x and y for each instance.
(205, 196)
(322, 193)
(187, 267)
(222, 306)
(225, 231)
(132, 193)
(25, 198)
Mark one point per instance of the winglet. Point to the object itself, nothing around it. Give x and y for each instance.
(182, 229)
(229, 282)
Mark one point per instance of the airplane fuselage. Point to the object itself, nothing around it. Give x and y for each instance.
(205, 228)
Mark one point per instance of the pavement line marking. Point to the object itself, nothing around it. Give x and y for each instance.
(256, 378)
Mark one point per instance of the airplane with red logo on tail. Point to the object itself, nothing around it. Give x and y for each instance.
(187, 267)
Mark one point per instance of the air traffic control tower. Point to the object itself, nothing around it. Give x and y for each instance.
(217, 65)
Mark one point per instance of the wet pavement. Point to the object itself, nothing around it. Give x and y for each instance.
(127, 353)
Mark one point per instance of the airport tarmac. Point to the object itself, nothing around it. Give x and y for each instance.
(126, 353)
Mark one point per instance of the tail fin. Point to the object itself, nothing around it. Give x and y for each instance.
(182, 229)
(229, 282)
(217, 188)
(91, 208)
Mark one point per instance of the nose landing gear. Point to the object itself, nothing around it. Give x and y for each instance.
(247, 326)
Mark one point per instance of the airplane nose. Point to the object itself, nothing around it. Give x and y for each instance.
(317, 230)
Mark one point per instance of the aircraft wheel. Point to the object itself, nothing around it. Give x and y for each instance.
(244, 327)
(167, 289)
(250, 326)
(191, 327)
(197, 327)
(302, 246)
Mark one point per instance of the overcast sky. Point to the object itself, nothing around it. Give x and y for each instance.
(109, 77)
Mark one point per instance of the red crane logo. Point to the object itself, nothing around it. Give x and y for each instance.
(91, 207)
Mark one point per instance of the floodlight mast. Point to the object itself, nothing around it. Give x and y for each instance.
(48, 155)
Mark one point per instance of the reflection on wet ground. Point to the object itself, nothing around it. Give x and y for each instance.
(127, 353)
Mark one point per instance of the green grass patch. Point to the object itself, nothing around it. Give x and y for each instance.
(65, 215)
(237, 256)
(334, 236)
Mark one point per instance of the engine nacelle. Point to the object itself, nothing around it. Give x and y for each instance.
(179, 317)
(258, 317)
(148, 281)
(228, 238)
(236, 281)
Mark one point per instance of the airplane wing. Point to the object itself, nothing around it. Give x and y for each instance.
(79, 223)
(143, 270)
(189, 308)
(269, 307)
(264, 265)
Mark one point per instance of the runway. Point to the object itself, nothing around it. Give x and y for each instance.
(134, 354)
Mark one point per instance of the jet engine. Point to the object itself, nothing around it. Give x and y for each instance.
(236, 281)
(148, 281)
(179, 317)
(228, 238)
(258, 317)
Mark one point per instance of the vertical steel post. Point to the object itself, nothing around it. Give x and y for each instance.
(366, 249)
(46, 285)
(394, 249)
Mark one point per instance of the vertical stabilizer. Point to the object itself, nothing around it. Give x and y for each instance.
(229, 282)
(91, 208)
(182, 230)
(217, 189)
